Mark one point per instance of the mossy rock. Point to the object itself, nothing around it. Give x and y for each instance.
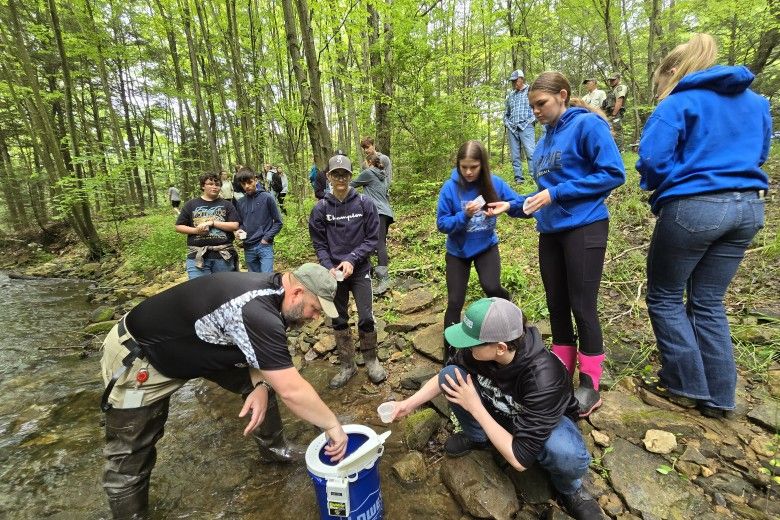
(102, 313)
(419, 427)
(100, 327)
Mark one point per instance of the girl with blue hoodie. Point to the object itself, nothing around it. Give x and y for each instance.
(576, 166)
(469, 203)
(700, 153)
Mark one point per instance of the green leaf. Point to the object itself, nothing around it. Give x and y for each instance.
(664, 469)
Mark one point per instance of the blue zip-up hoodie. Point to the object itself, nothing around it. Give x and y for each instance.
(578, 163)
(346, 230)
(710, 134)
(468, 237)
(260, 216)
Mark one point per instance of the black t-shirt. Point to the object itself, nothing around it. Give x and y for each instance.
(527, 397)
(197, 211)
(212, 324)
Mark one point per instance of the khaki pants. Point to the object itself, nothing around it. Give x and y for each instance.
(155, 388)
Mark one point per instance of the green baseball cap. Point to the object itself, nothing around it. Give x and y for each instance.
(489, 320)
(318, 280)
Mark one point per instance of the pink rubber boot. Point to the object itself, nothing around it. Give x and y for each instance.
(568, 356)
(590, 376)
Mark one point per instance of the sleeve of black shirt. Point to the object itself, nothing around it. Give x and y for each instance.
(185, 215)
(542, 410)
(268, 337)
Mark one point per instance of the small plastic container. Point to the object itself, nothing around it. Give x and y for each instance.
(339, 275)
(386, 411)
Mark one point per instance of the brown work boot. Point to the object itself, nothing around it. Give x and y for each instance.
(346, 350)
(376, 372)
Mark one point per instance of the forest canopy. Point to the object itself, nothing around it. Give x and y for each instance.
(105, 104)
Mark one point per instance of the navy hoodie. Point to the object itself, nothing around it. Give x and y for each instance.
(344, 231)
(710, 134)
(468, 237)
(578, 163)
(260, 217)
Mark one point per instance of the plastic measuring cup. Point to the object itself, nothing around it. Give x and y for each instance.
(386, 411)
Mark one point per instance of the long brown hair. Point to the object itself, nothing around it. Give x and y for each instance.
(552, 82)
(476, 151)
(698, 53)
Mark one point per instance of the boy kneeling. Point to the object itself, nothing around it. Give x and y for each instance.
(508, 390)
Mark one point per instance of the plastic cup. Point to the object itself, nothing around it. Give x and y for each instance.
(526, 206)
(241, 234)
(386, 411)
(339, 275)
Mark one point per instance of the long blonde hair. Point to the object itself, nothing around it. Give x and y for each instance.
(696, 54)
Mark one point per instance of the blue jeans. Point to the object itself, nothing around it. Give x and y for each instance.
(564, 455)
(210, 265)
(260, 257)
(526, 139)
(697, 245)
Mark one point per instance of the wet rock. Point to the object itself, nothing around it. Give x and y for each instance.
(691, 454)
(766, 415)
(151, 290)
(748, 512)
(731, 453)
(655, 401)
(767, 506)
(601, 439)
(627, 416)
(773, 382)
(419, 427)
(310, 355)
(415, 301)
(659, 441)
(102, 313)
(429, 342)
(411, 468)
(411, 322)
(532, 485)
(101, 327)
(383, 353)
(633, 476)
(418, 376)
(482, 489)
(726, 483)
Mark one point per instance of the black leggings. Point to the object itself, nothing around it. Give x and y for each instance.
(571, 263)
(488, 265)
(381, 244)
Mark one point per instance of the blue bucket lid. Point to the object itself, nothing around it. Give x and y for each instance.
(360, 455)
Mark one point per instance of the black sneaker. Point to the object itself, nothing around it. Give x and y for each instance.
(581, 505)
(712, 412)
(458, 445)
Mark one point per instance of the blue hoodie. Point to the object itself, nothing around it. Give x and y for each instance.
(346, 230)
(710, 134)
(260, 216)
(578, 163)
(468, 237)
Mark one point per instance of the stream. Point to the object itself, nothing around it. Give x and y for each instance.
(51, 433)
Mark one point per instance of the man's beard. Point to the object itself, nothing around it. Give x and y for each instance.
(294, 317)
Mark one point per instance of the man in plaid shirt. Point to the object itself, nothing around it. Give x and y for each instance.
(519, 120)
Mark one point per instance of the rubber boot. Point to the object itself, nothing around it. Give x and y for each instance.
(346, 350)
(382, 279)
(131, 507)
(376, 373)
(270, 436)
(590, 376)
(568, 356)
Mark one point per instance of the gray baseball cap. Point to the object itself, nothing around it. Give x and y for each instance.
(318, 280)
(516, 74)
(488, 320)
(339, 162)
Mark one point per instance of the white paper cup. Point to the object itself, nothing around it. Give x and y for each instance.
(386, 411)
(339, 275)
(241, 234)
(526, 206)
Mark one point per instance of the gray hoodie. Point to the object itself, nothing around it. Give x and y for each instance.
(374, 183)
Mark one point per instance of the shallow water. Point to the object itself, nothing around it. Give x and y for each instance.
(51, 432)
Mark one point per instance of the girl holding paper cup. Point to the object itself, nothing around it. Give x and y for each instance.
(576, 166)
(469, 203)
